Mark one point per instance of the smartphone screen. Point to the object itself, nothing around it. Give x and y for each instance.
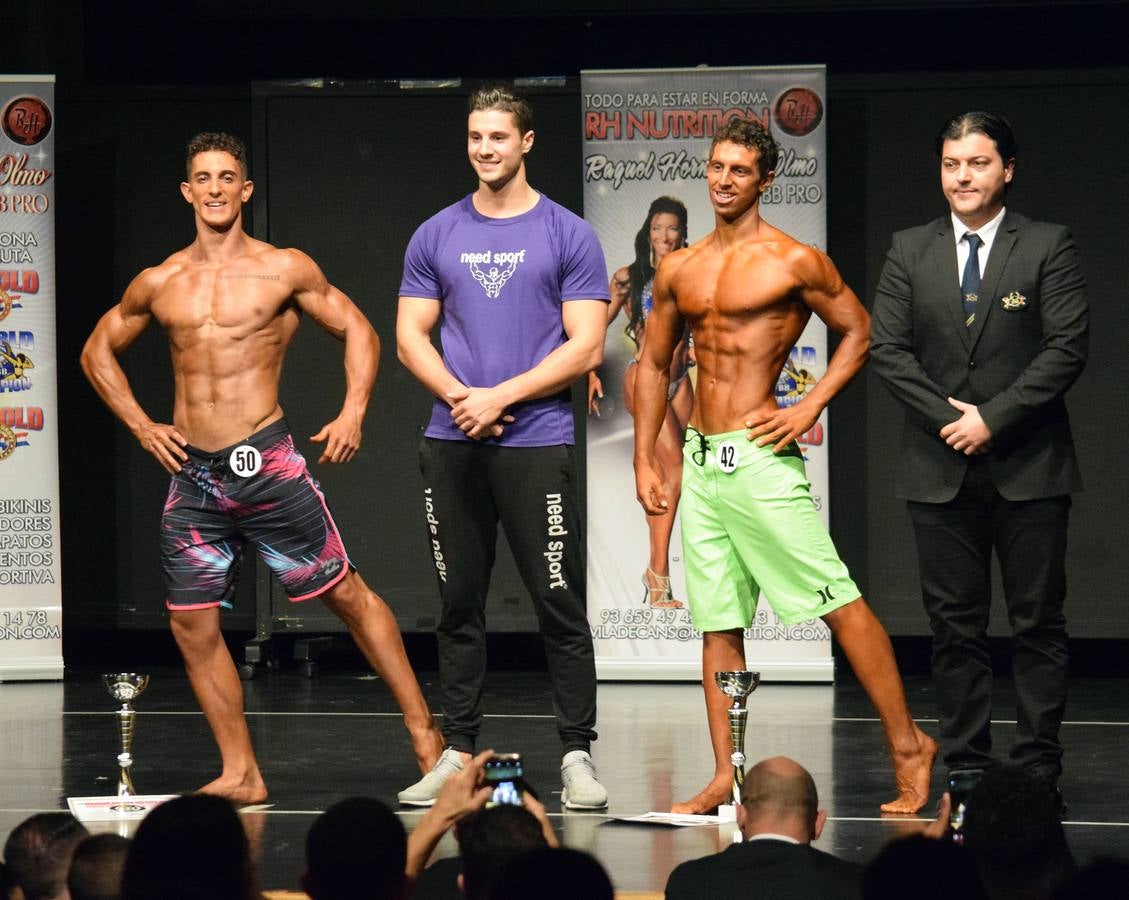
(504, 774)
(961, 783)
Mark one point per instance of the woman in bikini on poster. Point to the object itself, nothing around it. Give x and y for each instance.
(663, 231)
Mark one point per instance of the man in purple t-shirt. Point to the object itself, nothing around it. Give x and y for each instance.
(518, 288)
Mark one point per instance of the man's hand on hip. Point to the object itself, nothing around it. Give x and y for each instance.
(782, 426)
(165, 443)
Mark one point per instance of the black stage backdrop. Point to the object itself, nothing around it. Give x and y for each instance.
(346, 171)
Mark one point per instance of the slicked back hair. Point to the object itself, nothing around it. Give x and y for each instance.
(504, 98)
(996, 128)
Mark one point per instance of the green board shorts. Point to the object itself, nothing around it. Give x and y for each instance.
(749, 525)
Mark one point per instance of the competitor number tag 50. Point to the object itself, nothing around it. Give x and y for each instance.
(245, 460)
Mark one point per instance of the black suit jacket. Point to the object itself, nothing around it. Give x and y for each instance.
(1026, 347)
(766, 870)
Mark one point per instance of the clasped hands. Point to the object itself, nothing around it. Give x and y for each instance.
(479, 412)
(968, 434)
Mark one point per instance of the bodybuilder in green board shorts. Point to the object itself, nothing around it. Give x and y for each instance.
(747, 290)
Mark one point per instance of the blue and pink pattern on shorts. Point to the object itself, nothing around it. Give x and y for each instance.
(211, 512)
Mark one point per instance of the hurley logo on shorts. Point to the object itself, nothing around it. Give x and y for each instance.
(554, 550)
(492, 270)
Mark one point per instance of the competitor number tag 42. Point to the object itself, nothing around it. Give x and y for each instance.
(727, 456)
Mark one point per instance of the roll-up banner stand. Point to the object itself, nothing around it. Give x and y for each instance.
(647, 135)
(31, 644)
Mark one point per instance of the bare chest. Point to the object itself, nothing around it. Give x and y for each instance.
(221, 304)
(723, 287)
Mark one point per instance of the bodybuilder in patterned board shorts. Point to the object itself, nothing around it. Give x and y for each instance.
(747, 290)
(230, 305)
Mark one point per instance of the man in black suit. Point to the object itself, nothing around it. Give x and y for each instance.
(779, 818)
(979, 328)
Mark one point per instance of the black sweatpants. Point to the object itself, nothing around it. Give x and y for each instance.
(468, 488)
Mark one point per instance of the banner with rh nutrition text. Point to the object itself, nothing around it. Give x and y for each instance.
(646, 142)
(31, 644)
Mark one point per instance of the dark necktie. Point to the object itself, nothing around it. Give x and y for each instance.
(970, 281)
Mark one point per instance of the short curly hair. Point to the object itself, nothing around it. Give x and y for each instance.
(750, 133)
(216, 140)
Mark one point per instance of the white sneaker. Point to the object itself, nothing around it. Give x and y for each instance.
(582, 790)
(424, 791)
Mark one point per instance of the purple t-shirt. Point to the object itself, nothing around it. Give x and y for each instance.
(502, 283)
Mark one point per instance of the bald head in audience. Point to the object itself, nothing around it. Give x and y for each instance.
(779, 797)
(779, 817)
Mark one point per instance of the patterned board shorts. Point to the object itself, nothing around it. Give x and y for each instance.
(212, 511)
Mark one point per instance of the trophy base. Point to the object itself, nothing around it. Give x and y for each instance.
(114, 809)
(727, 812)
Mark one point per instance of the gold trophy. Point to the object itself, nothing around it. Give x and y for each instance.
(125, 687)
(737, 685)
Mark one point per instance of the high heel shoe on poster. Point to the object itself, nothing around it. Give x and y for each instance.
(657, 593)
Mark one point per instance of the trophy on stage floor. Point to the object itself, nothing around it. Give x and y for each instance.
(737, 685)
(125, 807)
(125, 687)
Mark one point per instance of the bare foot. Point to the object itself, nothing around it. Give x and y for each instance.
(718, 791)
(428, 744)
(911, 776)
(240, 791)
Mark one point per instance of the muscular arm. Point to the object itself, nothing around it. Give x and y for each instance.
(477, 410)
(825, 294)
(416, 318)
(338, 315)
(113, 334)
(665, 326)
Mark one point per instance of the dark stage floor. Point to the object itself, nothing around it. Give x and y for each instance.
(338, 735)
